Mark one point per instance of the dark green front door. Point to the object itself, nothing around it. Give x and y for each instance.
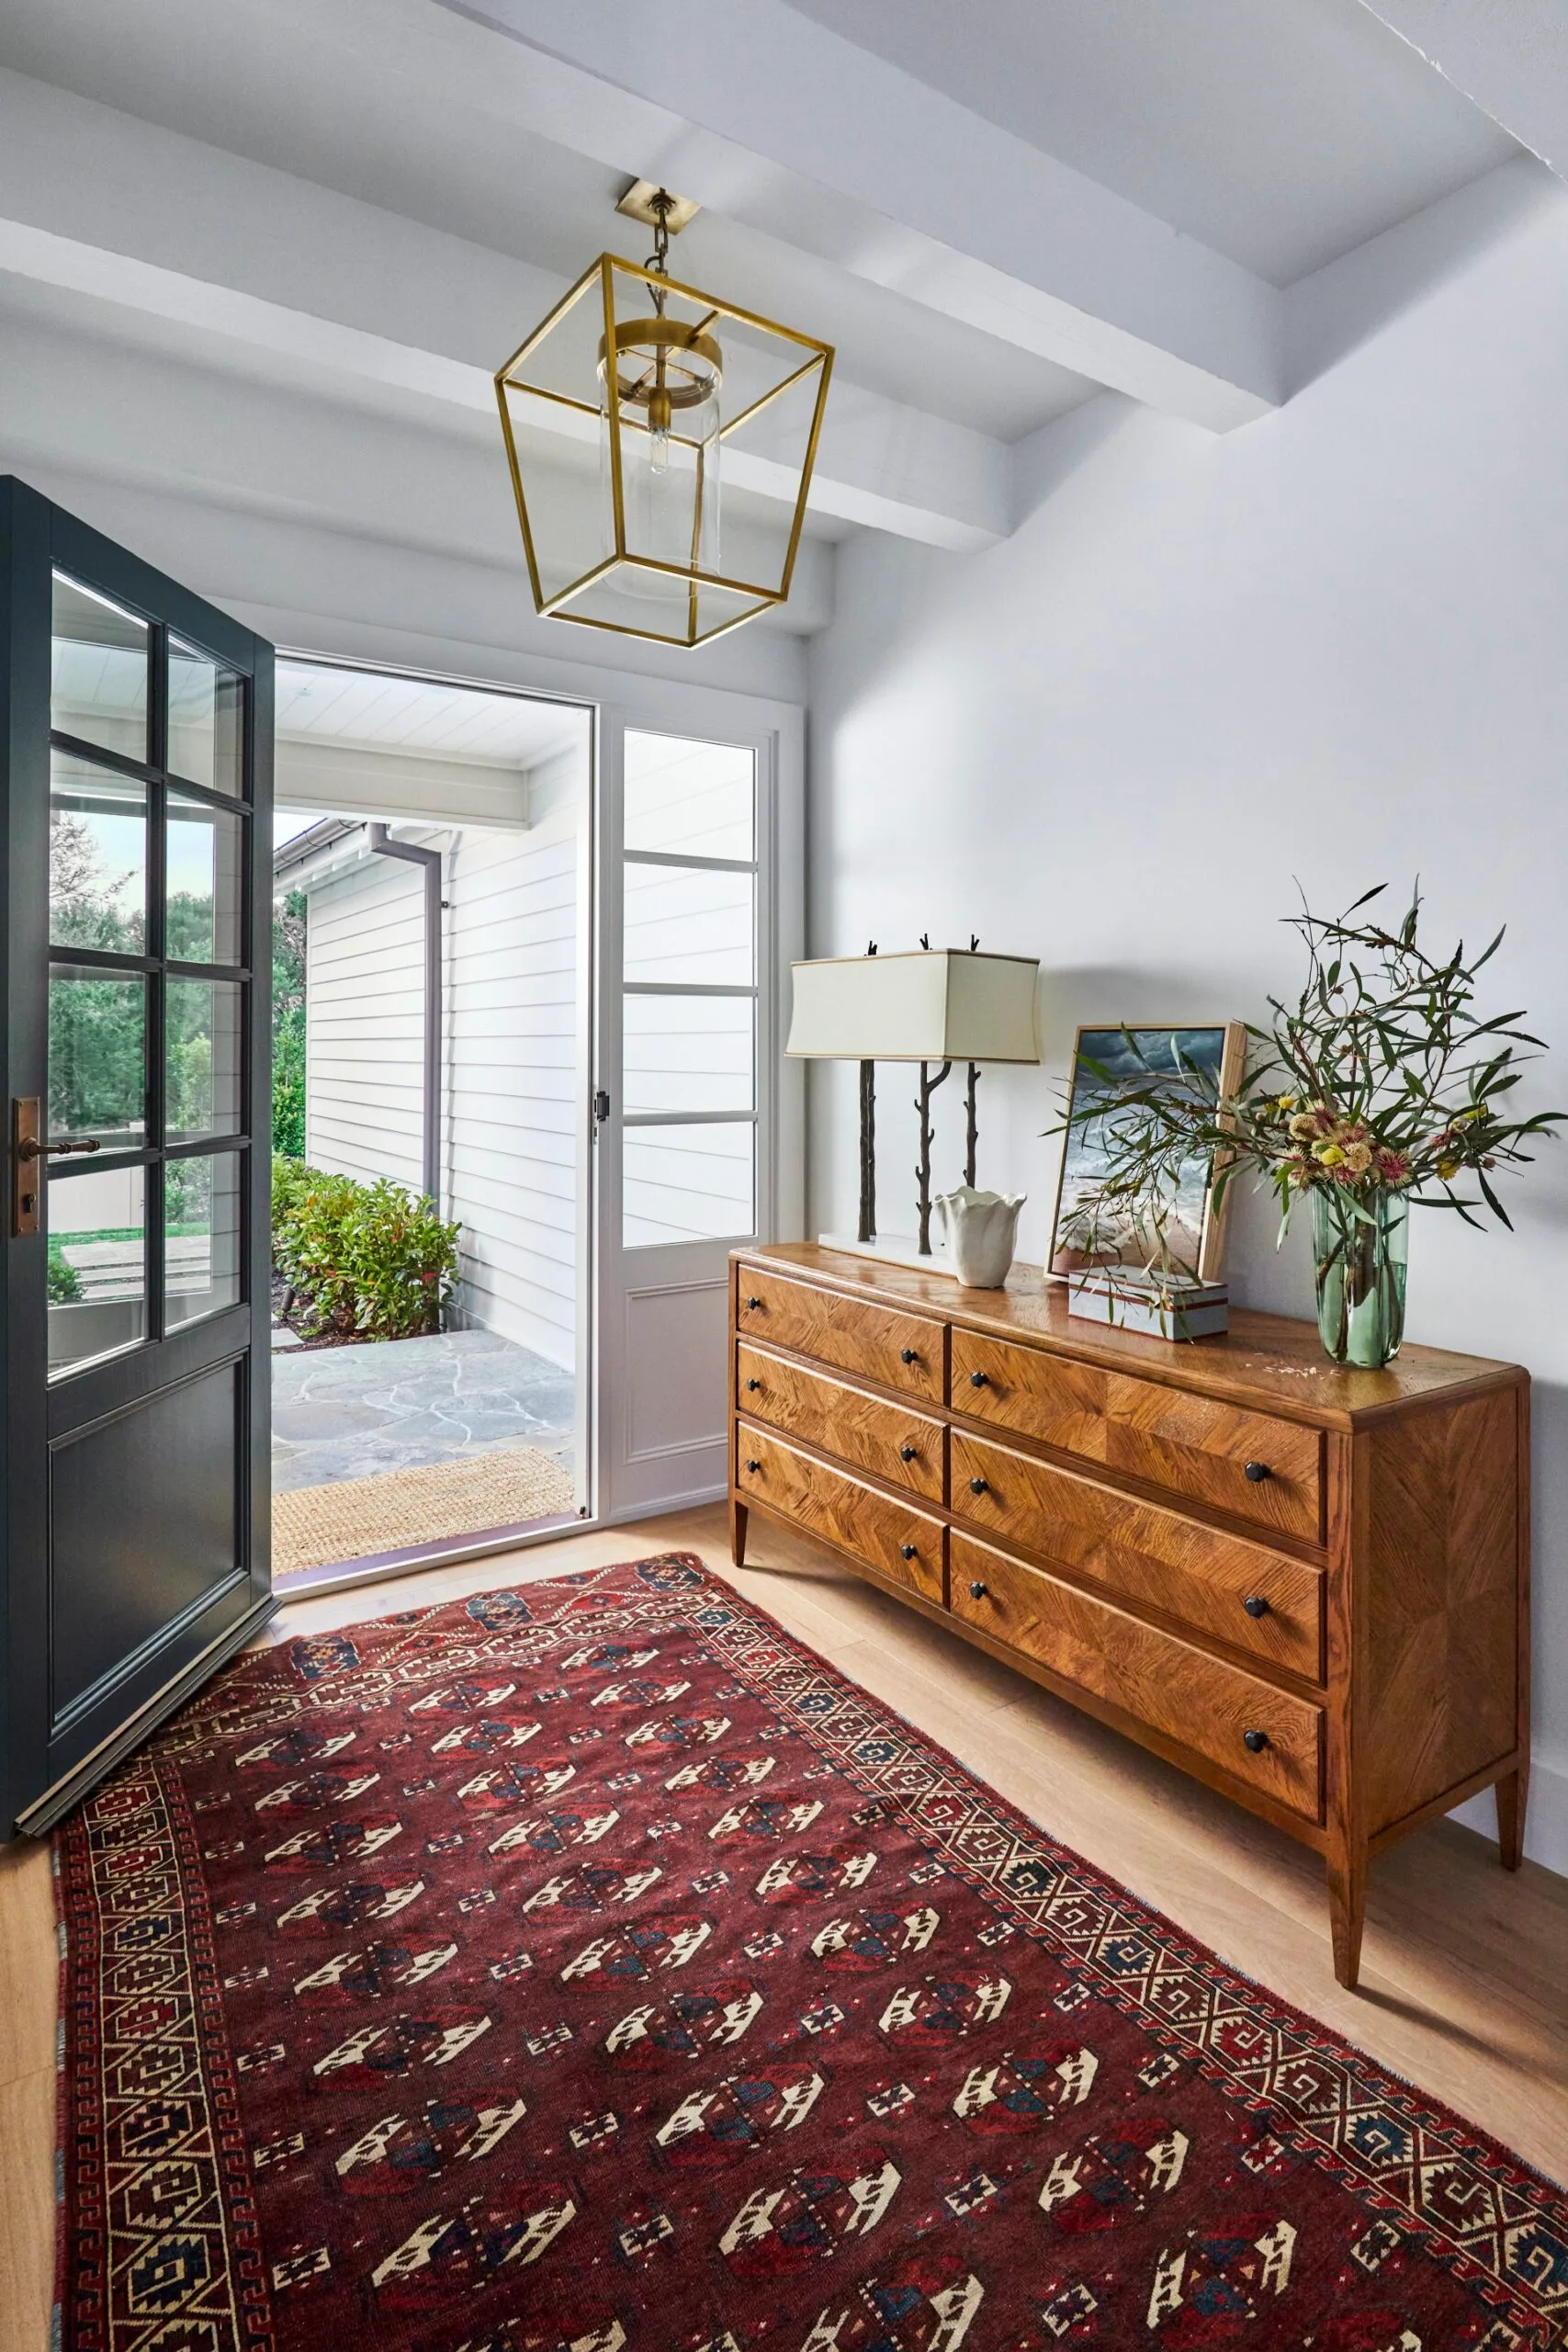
(135, 768)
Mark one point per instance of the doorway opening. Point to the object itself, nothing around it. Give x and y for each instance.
(432, 916)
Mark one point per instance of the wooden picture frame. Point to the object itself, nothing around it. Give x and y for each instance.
(1219, 1044)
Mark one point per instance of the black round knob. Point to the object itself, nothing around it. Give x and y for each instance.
(907, 1551)
(753, 1465)
(754, 1302)
(978, 1486)
(906, 1453)
(1255, 1605)
(979, 1380)
(1255, 1740)
(1256, 1472)
(753, 1384)
(977, 1592)
(908, 1355)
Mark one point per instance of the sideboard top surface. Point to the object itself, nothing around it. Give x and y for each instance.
(1263, 1359)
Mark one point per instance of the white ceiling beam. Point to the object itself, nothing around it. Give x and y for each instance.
(68, 166)
(361, 779)
(771, 120)
(1509, 57)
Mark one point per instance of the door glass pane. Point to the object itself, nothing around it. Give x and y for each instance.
(685, 925)
(201, 1047)
(97, 1056)
(97, 1264)
(206, 710)
(99, 671)
(201, 1236)
(204, 872)
(97, 857)
(695, 799)
(687, 1053)
(687, 1183)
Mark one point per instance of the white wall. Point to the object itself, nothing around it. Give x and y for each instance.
(1333, 646)
(513, 1091)
(364, 1023)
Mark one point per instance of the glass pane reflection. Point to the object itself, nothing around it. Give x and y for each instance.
(690, 800)
(201, 1236)
(97, 857)
(99, 671)
(97, 1056)
(203, 879)
(692, 1183)
(202, 1039)
(98, 1265)
(205, 709)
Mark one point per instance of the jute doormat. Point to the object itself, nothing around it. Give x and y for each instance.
(353, 1517)
(590, 1965)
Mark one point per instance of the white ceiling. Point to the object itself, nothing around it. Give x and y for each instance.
(1281, 132)
(318, 703)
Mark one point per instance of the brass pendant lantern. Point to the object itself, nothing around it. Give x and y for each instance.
(642, 420)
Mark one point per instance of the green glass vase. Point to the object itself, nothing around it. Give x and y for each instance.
(1360, 1249)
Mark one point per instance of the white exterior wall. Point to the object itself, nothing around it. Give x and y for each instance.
(512, 1090)
(365, 1023)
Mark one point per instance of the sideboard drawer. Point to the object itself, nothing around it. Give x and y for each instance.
(1254, 1599)
(900, 1351)
(890, 1536)
(1251, 1464)
(1193, 1698)
(896, 1444)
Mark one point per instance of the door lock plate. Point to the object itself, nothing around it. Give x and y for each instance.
(27, 1164)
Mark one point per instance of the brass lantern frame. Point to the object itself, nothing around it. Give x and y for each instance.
(818, 361)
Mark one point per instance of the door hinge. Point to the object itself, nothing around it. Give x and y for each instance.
(601, 1108)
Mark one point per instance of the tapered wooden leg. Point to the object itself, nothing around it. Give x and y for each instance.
(1512, 1792)
(1348, 1907)
(739, 1515)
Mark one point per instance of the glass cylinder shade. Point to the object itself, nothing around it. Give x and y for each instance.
(631, 415)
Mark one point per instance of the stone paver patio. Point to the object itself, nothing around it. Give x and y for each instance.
(399, 1404)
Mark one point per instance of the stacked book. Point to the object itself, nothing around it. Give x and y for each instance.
(1143, 1298)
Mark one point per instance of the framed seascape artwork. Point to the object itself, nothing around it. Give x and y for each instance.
(1190, 1235)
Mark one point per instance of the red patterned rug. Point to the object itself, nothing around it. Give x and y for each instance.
(590, 1966)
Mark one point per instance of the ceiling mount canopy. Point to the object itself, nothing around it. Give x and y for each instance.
(658, 397)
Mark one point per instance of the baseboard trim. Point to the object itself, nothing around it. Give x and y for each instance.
(1546, 1821)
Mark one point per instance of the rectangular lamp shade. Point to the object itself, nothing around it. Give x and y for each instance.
(942, 1004)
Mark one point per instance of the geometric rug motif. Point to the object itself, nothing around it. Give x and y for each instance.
(592, 1968)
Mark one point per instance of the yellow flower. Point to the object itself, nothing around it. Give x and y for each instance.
(1285, 1103)
(1329, 1153)
(1448, 1170)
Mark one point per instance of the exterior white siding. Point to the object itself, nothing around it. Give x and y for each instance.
(512, 1092)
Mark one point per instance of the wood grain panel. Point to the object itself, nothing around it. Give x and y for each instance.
(1144, 1556)
(1441, 1603)
(890, 1536)
(906, 1448)
(1195, 1447)
(1169, 1684)
(903, 1351)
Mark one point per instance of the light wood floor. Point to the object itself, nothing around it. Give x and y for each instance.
(1464, 1984)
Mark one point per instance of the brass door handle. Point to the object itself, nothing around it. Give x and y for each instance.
(32, 1149)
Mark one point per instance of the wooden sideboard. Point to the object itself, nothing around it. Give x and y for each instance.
(1306, 1586)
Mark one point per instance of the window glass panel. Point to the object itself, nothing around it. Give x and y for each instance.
(99, 671)
(206, 716)
(687, 1183)
(685, 925)
(695, 799)
(201, 1047)
(687, 1053)
(201, 1236)
(98, 1265)
(97, 857)
(97, 1056)
(204, 870)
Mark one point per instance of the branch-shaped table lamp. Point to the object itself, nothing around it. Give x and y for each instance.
(941, 1005)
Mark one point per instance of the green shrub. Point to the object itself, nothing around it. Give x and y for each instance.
(370, 1259)
(64, 1281)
